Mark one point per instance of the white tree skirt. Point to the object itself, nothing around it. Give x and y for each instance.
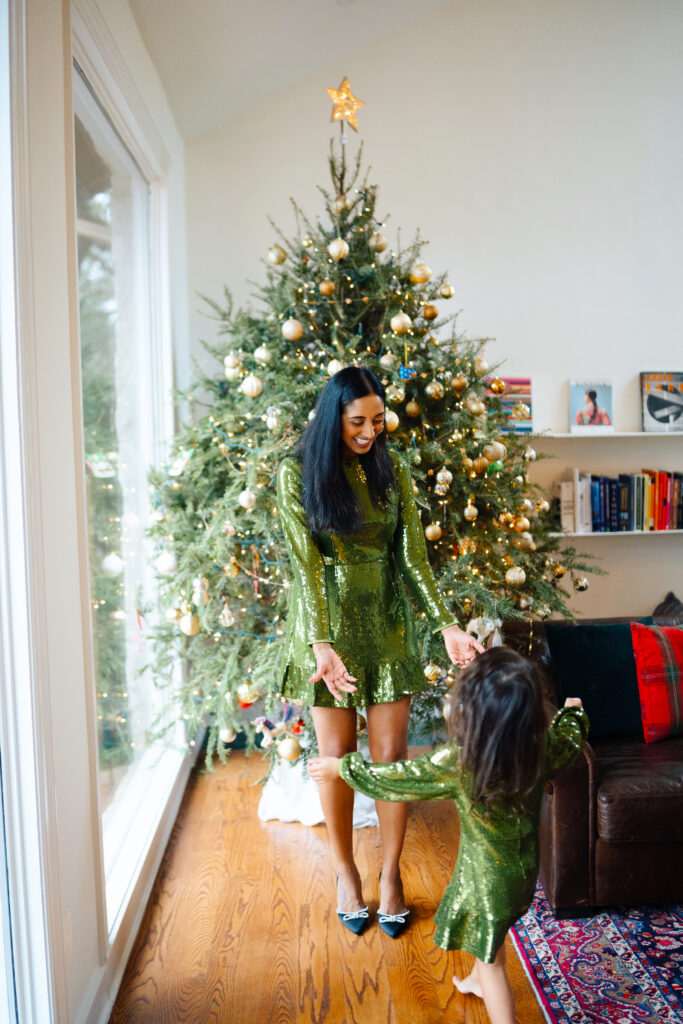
(292, 795)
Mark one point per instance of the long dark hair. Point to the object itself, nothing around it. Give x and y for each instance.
(328, 498)
(496, 717)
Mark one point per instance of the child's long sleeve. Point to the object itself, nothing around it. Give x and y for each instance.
(565, 736)
(433, 776)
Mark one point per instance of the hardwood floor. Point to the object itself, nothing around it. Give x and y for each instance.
(241, 927)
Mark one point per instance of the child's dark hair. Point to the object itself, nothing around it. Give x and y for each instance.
(497, 719)
(328, 498)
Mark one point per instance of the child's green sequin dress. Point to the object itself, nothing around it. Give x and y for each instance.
(349, 590)
(495, 874)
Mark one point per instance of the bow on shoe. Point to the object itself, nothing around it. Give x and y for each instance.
(354, 920)
(393, 924)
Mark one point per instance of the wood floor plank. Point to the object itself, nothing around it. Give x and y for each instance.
(241, 926)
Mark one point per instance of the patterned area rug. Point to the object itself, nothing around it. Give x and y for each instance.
(623, 966)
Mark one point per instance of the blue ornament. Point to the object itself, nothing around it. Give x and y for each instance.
(405, 373)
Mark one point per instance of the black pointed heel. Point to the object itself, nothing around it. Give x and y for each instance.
(355, 920)
(393, 925)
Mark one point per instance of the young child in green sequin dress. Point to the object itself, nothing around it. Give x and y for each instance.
(500, 755)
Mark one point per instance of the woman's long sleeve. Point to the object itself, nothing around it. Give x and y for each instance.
(410, 552)
(434, 776)
(565, 737)
(305, 559)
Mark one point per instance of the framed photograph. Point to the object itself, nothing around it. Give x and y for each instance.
(590, 407)
(515, 405)
(662, 401)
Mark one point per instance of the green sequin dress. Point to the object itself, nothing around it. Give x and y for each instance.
(495, 874)
(349, 590)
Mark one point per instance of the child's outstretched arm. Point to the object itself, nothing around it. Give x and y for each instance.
(566, 735)
(323, 769)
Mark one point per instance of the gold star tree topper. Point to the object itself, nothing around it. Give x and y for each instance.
(345, 104)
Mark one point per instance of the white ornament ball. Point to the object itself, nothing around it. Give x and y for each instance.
(289, 748)
(262, 354)
(226, 735)
(112, 564)
(276, 255)
(525, 601)
(470, 512)
(334, 366)
(420, 273)
(232, 366)
(292, 329)
(530, 454)
(189, 624)
(226, 618)
(247, 498)
(433, 531)
(166, 563)
(377, 242)
(171, 615)
(400, 323)
(480, 365)
(444, 476)
(387, 360)
(391, 420)
(272, 422)
(475, 406)
(515, 576)
(338, 249)
(252, 386)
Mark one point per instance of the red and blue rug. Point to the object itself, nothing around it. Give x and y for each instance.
(623, 966)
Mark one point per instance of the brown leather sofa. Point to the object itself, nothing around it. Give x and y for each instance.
(612, 823)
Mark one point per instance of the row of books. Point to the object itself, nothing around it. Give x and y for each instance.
(649, 500)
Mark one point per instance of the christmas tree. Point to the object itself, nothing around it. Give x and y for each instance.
(334, 294)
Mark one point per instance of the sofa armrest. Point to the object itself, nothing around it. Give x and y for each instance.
(567, 835)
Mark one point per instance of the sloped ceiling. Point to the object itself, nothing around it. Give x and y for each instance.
(216, 58)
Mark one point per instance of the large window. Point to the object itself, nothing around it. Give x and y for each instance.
(119, 375)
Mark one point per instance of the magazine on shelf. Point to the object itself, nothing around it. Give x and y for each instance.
(590, 407)
(516, 406)
(662, 401)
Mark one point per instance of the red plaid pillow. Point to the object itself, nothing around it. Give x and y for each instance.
(658, 651)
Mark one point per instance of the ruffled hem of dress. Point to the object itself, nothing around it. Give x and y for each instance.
(384, 683)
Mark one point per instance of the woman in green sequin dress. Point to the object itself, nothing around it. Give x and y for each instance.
(355, 540)
(494, 769)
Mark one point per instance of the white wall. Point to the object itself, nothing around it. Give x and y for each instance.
(537, 145)
(82, 963)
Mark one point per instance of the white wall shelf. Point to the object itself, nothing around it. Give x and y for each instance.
(622, 533)
(601, 437)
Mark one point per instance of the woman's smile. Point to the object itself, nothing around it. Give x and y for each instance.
(362, 421)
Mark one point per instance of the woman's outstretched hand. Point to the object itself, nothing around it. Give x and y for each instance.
(323, 769)
(461, 647)
(331, 669)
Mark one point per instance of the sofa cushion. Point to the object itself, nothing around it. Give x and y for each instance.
(658, 652)
(640, 791)
(595, 662)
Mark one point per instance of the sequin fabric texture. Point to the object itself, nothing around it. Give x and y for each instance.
(349, 590)
(494, 879)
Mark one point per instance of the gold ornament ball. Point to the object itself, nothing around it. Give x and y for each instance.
(262, 354)
(420, 273)
(430, 312)
(377, 242)
(400, 323)
(251, 385)
(480, 464)
(432, 672)
(276, 255)
(470, 512)
(434, 390)
(529, 454)
(506, 519)
(441, 490)
(307, 242)
(522, 524)
(226, 735)
(338, 249)
(459, 383)
(326, 287)
(475, 406)
(189, 624)
(580, 584)
(515, 576)
(497, 386)
(558, 571)
(543, 506)
(494, 451)
(527, 507)
(444, 476)
(247, 694)
(391, 420)
(518, 481)
(292, 329)
(525, 601)
(172, 615)
(334, 366)
(413, 409)
(433, 531)
(387, 360)
(447, 290)
(467, 546)
(289, 748)
(526, 541)
(468, 463)
(395, 393)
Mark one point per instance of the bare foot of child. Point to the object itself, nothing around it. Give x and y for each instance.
(468, 985)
